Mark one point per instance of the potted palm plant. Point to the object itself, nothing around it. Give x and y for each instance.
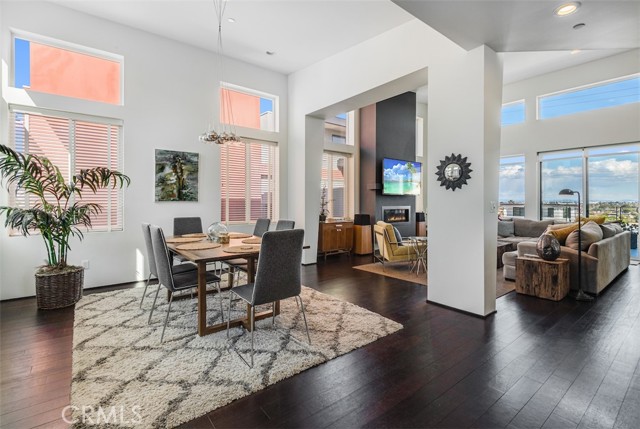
(56, 215)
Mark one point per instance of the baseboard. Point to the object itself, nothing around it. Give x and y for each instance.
(468, 313)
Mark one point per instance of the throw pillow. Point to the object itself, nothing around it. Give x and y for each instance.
(617, 227)
(556, 226)
(591, 233)
(562, 233)
(398, 235)
(505, 228)
(597, 219)
(607, 230)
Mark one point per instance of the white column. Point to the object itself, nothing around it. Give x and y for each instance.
(465, 98)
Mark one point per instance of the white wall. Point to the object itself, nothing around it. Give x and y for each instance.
(170, 98)
(619, 124)
(381, 67)
(368, 68)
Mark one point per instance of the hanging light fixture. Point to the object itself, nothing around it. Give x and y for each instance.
(226, 132)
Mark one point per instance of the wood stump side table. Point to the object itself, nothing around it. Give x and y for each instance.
(544, 279)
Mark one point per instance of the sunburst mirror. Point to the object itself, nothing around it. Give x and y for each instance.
(453, 171)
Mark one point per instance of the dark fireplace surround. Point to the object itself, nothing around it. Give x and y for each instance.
(387, 130)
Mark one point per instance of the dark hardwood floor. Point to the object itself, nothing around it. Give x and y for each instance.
(533, 364)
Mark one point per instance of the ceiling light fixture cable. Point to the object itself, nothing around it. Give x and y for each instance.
(226, 131)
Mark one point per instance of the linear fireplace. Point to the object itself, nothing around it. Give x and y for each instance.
(396, 214)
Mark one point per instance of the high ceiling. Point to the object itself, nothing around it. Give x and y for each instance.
(302, 32)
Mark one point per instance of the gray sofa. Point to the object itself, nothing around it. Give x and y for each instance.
(603, 261)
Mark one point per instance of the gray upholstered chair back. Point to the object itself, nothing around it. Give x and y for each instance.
(186, 225)
(278, 272)
(163, 259)
(146, 232)
(262, 226)
(284, 224)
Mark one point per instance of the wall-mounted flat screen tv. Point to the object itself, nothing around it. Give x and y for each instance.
(401, 177)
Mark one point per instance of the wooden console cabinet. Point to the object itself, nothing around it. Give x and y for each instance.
(335, 237)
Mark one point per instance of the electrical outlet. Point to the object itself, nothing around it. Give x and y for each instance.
(85, 264)
(492, 207)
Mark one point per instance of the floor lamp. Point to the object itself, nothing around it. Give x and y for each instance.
(580, 295)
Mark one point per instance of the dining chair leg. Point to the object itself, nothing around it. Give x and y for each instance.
(145, 290)
(220, 298)
(273, 313)
(229, 315)
(153, 306)
(253, 328)
(304, 317)
(166, 319)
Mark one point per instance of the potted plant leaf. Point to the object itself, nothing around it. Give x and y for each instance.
(324, 202)
(57, 213)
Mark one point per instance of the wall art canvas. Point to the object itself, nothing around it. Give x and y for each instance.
(176, 175)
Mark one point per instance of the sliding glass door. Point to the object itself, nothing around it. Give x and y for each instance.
(607, 177)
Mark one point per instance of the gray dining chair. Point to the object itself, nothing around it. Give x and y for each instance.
(153, 271)
(187, 225)
(239, 265)
(262, 226)
(174, 282)
(284, 224)
(277, 277)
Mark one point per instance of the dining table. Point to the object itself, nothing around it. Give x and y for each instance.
(220, 254)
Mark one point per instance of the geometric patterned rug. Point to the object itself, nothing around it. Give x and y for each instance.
(124, 377)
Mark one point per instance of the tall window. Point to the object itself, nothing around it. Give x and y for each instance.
(249, 181)
(560, 170)
(597, 96)
(73, 142)
(607, 178)
(249, 108)
(339, 129)
(335, 178)
(513, 113)
(55, 67)
(511, 186)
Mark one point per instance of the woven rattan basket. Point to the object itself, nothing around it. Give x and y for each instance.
(59, 290)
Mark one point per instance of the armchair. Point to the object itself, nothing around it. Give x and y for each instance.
(389, 249)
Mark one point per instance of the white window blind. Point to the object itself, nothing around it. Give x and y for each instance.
(73, 143)
(334, 178)
(249, 181)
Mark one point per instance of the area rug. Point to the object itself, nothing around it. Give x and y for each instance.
(400, 270)
(397, 270)
(123, 376)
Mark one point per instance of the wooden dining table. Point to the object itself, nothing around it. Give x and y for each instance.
(201, 258)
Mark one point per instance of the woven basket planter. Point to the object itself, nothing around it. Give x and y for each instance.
(58, 290)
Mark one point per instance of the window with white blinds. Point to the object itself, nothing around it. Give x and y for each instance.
(249, 181)
(335, 179)
(73, 142)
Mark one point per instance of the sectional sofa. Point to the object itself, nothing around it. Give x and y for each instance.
(602, 261)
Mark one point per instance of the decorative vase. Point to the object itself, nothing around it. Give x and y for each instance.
(323, 217)
(548, 247)
(218, 233)
(59, 289)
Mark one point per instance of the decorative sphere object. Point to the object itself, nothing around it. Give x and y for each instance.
(218, 233)
(548, 247)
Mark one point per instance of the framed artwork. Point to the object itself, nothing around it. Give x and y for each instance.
(176, 175)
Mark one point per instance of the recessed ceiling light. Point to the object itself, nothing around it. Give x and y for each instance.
(575, 51)
(567, 8)
(231, 20)
(270, 53)
(579, 26)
